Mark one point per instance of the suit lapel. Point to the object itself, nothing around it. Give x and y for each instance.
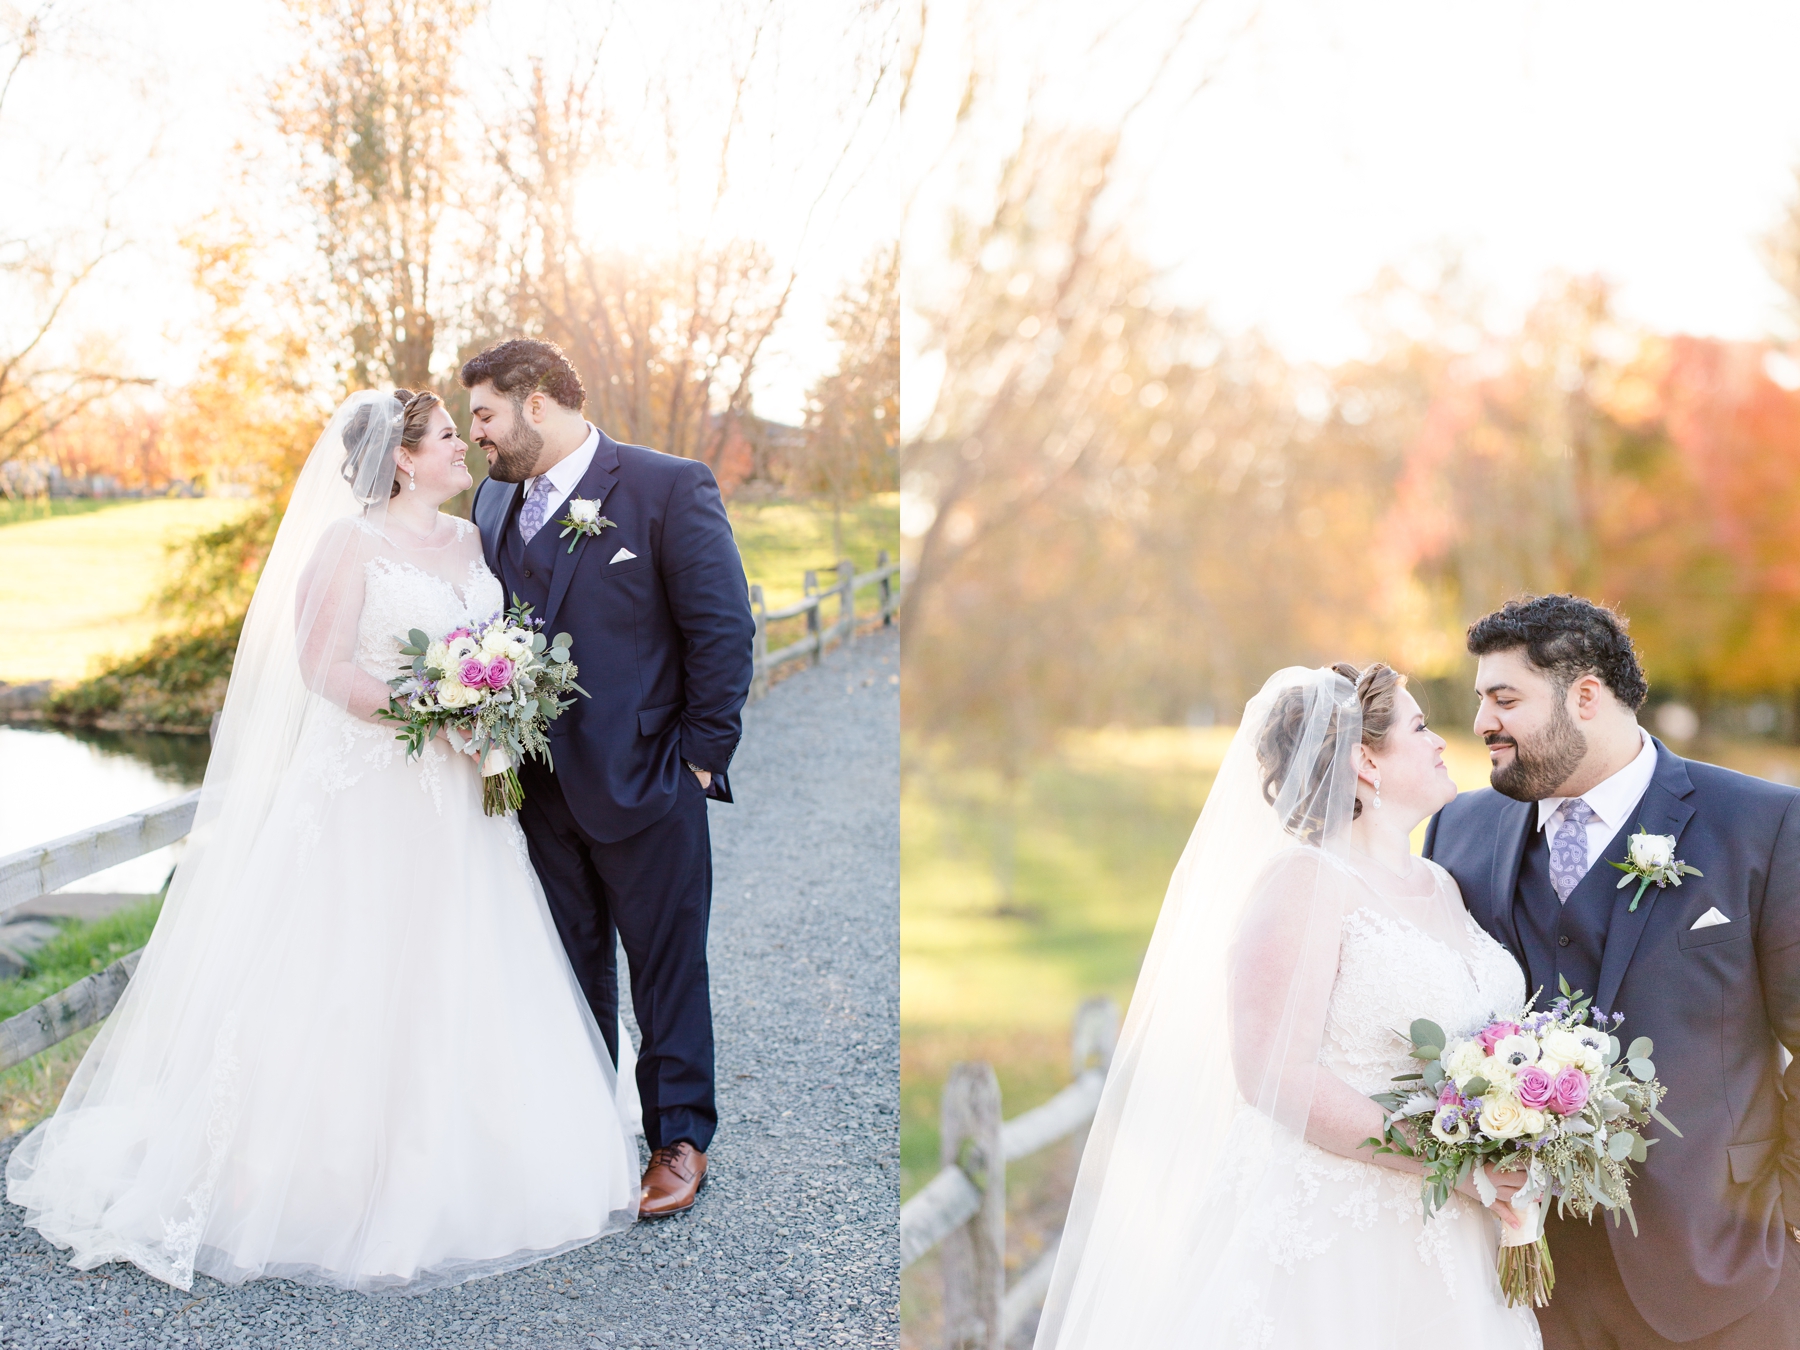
(1514, 829)
(496, 504)
(1664, 810)
(601, 474)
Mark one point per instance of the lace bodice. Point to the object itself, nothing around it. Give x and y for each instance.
(400, 597)
(1390, 973)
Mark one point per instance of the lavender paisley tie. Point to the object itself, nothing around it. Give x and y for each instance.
(536, 507)
(1568, 847)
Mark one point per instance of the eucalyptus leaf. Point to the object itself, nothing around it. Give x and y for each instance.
(1642, 1048)
(418, 639)
(1643, 1070)
(1618, 1148)
(1663, 1120)
(1475, 1087)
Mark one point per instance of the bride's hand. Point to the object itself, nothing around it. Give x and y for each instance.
(1506, 1186)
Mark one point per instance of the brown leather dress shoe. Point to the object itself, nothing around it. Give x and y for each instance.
(672, 1180)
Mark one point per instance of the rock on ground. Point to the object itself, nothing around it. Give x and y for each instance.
(794, 1241)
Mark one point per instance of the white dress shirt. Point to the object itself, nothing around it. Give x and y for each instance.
(566, 473)
(1611, 801)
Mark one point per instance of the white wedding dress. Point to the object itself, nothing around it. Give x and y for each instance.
(1339, 1253)
(360, 1059)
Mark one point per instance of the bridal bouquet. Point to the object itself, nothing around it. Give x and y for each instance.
(493, 688)
(1544, 1093)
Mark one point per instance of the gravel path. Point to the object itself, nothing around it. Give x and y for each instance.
(794, 1240)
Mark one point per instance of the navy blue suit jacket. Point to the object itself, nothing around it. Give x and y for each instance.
(662, 640)
(1719, 1002)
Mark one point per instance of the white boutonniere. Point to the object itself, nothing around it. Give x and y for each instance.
(584, 520)
(1651, 858)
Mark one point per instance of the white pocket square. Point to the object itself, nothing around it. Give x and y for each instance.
(1708, 919)
(623, 555)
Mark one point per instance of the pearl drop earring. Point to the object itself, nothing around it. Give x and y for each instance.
(412, 483)
(1378, 794)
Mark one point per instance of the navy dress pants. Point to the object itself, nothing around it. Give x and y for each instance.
(654, 889)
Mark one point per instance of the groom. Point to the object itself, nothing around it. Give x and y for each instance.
(1710, 972)
(653, 596)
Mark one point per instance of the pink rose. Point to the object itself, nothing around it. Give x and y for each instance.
(455, 633)
(1535, 1089)
(499, 673)
(1448, 1095)
(1498, 1032)
(472, 673)
(1570, 1091)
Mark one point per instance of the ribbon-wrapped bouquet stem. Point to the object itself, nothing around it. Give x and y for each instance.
(1546, 1093)
(493, 689)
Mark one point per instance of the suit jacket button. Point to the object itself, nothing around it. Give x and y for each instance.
(527, 571)
(1561, 941)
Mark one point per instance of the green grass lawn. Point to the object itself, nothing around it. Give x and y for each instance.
(781, 540)
(83, 584)
(14, 511)
(30, 1091)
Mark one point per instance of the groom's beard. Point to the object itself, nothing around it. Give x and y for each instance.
(1541, 765)
(516, 455)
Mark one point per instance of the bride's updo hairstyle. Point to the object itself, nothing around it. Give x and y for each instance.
(1279, 746)
(364, 445)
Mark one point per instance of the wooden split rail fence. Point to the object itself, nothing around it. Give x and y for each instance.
(962, 1210)
(36, 871)
(885, 578)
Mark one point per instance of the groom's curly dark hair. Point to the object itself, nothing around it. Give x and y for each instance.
(1566, 637)
(520, 367)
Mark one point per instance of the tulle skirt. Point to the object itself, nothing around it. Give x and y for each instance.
(1296, 1248)
(362, 1060)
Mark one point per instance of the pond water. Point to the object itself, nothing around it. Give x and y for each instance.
(55, 781)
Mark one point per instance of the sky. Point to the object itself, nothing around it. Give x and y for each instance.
(146, 115)
(1653, 143)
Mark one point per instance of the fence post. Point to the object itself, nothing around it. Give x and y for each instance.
(887, 590)
(813, 632)
(974, 1256)
(759, 644)
(1096, 1033)
(846, 601)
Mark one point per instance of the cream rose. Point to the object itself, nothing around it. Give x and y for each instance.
(437, 656)
(1562, 1048)
(584, 512)
(1652, 850)
(452, 694)
(1502, 1117)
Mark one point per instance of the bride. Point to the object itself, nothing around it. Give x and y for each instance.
(1226, 1196)
(354, 1053)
